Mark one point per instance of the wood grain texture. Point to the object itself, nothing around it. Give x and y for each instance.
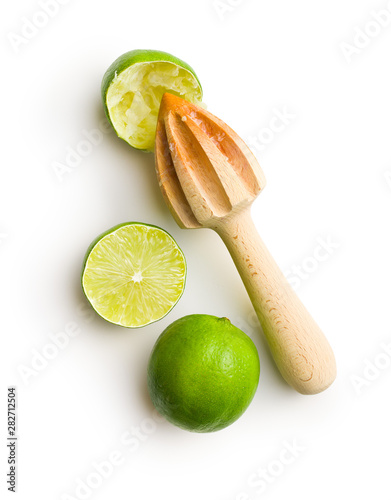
(209, 178)
(299, 348)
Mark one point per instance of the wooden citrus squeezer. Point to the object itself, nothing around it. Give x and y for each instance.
(209, 178)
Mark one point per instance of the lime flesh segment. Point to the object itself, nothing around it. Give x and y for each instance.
(134, 274)
(133, 87)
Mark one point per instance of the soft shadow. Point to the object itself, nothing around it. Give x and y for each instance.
(143, 390)
(137, 167)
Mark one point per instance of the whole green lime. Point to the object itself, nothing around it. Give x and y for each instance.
(203, 373)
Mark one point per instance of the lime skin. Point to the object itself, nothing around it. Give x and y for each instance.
(134, 57)
(203, 373)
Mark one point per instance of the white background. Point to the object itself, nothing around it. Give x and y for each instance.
(328, 176)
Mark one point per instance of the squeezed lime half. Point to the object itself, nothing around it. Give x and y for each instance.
(132, 89)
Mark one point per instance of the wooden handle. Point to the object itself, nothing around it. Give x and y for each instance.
(299, 348)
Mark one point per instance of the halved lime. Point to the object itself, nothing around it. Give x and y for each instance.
(134, 274)
(132, 89)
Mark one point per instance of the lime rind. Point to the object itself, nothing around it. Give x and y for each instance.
(203, 373)
(132, 89)
(134, 274)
